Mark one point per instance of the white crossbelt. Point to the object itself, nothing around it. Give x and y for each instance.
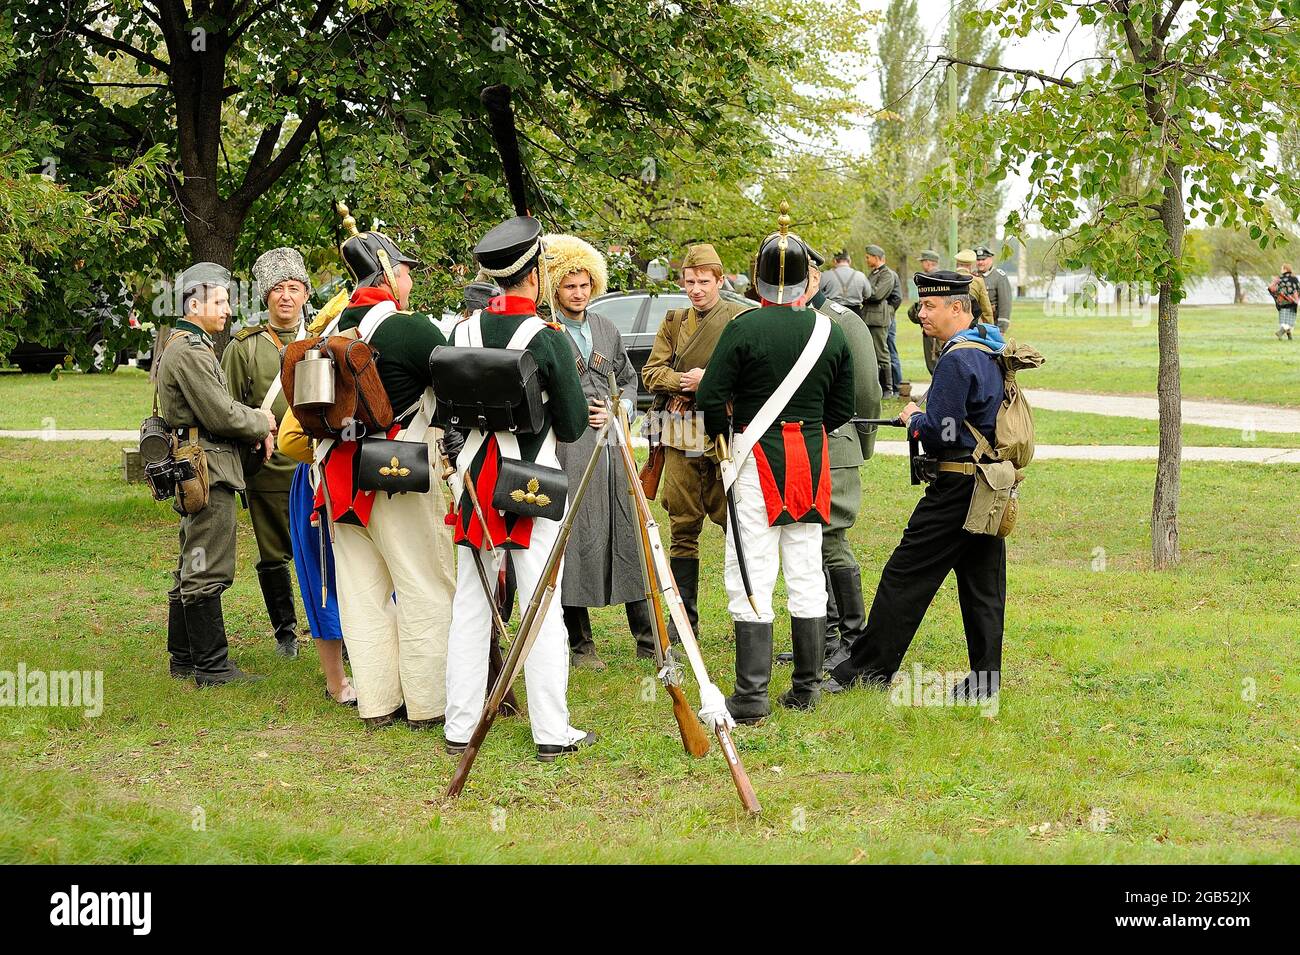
(758, 425)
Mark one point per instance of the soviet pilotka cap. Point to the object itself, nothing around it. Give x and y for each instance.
(699, 256)
(941, 282)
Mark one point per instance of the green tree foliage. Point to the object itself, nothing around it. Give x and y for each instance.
(1177, 123)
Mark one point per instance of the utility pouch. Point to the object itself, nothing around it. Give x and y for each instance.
(191, 475)
(993, 499)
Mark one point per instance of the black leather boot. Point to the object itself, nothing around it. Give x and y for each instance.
(846, 583)
(208, 647)
(277, 591)
(638, 621)
(832, 625)
(582, 648)
(181, 664)
(686, 571)
(809, 637)
(748, 703)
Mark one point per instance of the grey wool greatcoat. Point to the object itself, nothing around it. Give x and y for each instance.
(602, 566)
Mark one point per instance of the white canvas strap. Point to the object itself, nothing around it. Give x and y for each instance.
(758, 425)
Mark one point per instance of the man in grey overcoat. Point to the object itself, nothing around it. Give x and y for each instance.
(602, 563)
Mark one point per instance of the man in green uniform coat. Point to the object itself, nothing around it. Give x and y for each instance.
(850, 446)
(787, 375)
(196, 403)
(252, 365)
(691, 487)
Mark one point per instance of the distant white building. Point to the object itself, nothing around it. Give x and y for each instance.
(1086, 290)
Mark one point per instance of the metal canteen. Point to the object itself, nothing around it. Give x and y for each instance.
(313, 384)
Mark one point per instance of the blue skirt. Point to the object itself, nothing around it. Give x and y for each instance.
(323, 621)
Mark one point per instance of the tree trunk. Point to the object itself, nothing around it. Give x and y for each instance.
(1238, 296)
(215, 242)
(1164, 506)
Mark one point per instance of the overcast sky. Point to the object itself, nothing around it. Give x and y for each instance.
(1046, 52)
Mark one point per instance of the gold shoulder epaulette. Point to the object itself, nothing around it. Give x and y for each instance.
(246, 333)
(555, 325)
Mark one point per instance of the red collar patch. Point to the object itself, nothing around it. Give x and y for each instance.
(511, 305)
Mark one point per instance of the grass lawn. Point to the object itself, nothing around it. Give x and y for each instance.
(1228, 353)
(1144, 717)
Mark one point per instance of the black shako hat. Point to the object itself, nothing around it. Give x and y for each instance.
(508, 248)
(370, 256)
(941, 282)
(781, 266)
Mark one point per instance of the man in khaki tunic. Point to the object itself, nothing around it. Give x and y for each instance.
(251, 363)
(691, 486)
(981, 304)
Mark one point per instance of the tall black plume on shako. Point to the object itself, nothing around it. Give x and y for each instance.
(515, 244)
(496, 100)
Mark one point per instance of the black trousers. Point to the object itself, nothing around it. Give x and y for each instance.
(934, 544)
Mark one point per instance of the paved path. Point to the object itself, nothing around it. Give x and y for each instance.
(1238, 417)
(1129, 452)
(1112, 452)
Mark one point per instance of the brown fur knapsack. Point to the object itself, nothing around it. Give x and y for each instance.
(359, 396)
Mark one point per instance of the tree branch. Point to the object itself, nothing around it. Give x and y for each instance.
(121, 46)
(1032, 74)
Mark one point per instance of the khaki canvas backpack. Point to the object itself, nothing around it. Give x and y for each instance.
(1001, 467)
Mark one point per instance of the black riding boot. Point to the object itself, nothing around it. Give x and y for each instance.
(748, 703)
(809, 636)
(582, 648)
(181, 663)
(832, 625)
(277, 591)
(686, 571)
(638, 621)
(208, 647)
(846, 584)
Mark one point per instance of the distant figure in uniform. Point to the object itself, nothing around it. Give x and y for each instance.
(602, 564)
(967, 387)
(981, 307)
(252, 365)
(691, 487)
(845, 285)
(781, 413)
(194, 400)
(879, 315)
(929, 346)
(998, 286)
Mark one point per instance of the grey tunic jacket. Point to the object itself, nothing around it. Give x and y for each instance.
(876, 312)
(192, 392)
(849, 446)
(602, 564)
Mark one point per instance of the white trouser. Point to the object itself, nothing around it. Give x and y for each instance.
(546, 670)
(398, 650)
(796, 549)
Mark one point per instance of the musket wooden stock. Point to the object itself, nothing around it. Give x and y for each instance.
(528, 626)
(664, 576)
(694, 740)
